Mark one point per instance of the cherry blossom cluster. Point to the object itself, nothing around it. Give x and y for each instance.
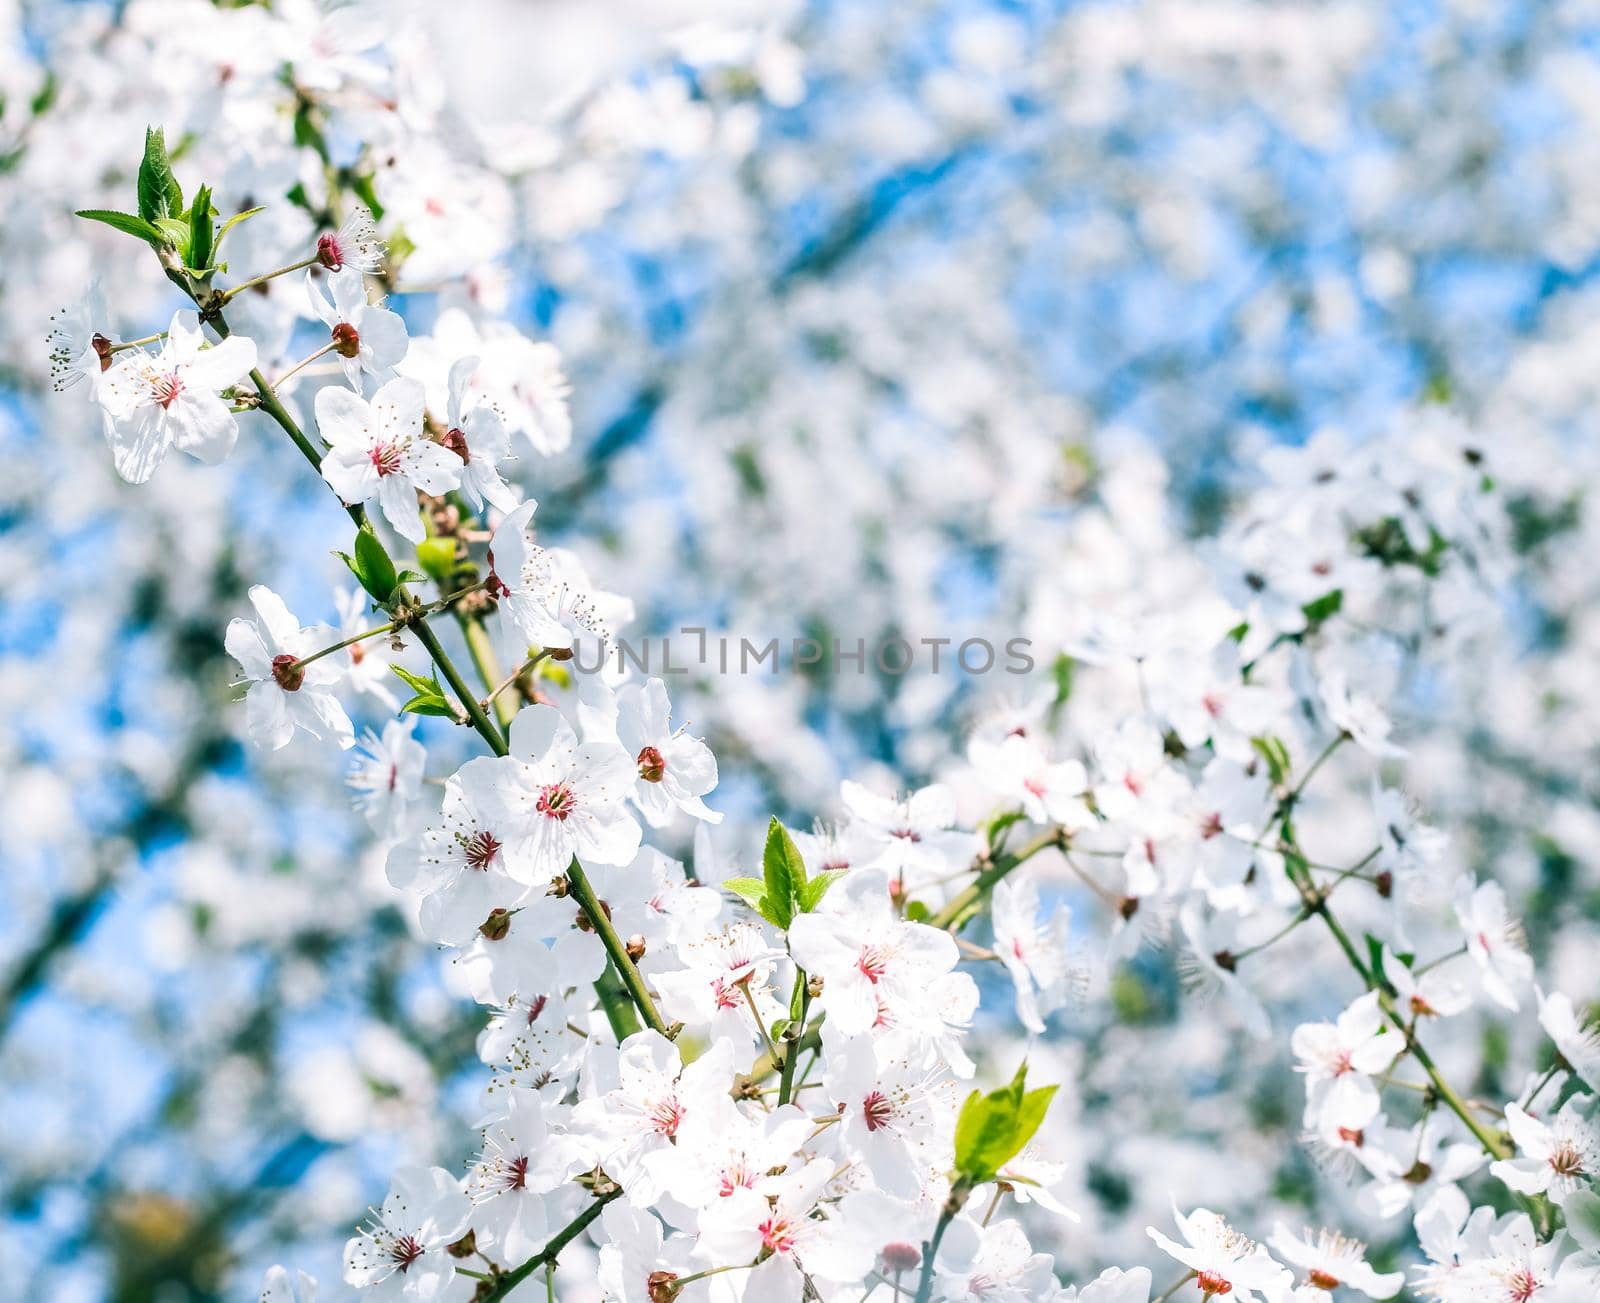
(768, 1069)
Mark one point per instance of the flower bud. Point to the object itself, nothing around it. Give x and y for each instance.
(900, 1257)
(346, 340)
(287, 672)
(635, 947)
(329, 254)
(495, 927)
(813, 985)
(652, 765)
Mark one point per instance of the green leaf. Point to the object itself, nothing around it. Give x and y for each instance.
(362, 185)
(811, 893)
(202, 232)
(126, 222)
(428, 704)
(437, 556)
(417, 683)
(235, 220)
(176, 233)
(371, 565)
(1324, 608)
(430, 698)
(1276, 755)
(784, 872)
(749, 890)
(159, 192)
(993, 1127)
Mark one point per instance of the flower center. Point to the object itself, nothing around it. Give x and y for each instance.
(517, 1173)
(166, 387)
(1567, 1159)
(385, 458)
(536, 1007)
(872, 963)
(877, 1110)
(405, 1250)
(777, 1235)
(556, 800)
(652, 765)
(1522, 1285)
(480, 849)
(666, 1115)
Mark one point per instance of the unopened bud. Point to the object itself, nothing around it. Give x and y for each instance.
(900, 1257)
(346, 340)
(652, 765)
(813, 985)
(456, 440)
(287, 672)
(635, 947)
(495, 927)
(585, 923)
(465, 1247)
(329, 254)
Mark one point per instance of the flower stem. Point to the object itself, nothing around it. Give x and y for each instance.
(955, 913)
(504, 1284)
(799, 1007)
(583, 893)
(229, 294)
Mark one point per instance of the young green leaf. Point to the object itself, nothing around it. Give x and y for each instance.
(418, 684)
(159, 192)
(202, 232)
(126, 222)
(428, 704)
(992, 1128)
(175, 232)
(235, 220)
(811, 893)
(749, 890)
(373, 567)
(784, 872)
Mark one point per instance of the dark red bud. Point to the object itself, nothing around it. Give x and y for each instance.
(288, 672)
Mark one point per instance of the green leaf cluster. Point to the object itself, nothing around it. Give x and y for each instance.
(784, 889)
(430, 698)
(187, 232)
